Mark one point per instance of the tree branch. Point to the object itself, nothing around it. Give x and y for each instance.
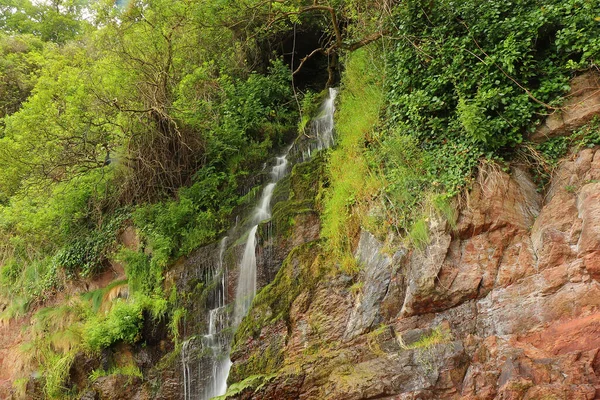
(365, 41)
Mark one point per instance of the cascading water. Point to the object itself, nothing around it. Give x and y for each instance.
(216, 343)
(246, 286)
(322, 126)
(215, 340)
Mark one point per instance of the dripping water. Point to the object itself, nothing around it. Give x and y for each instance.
(208, 379)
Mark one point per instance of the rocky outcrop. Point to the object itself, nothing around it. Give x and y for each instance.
(580, 106)
(505, 306)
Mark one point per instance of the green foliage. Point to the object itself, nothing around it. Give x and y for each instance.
(23, 283)
(253, 382)
(87, 253)
(19, 66)
(177, 317)
(59, 333)
(257, 106)
(352, 185)
(404, 167)
(468, 79)
(556, 148)
(57, 21)
(56, 373)
(545, 156)
(123, 322)
(309, 106)
(128, 370)
(125, 114)
(56, 339)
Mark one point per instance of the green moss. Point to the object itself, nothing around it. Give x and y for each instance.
(267, 361)
(305, 179)
(281, 192)
(300, 272)
(350, 377)
(302, 188)
(130, 370)
(285, 213)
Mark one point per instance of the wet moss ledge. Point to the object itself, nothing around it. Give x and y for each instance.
(300, 272)
(303, 188)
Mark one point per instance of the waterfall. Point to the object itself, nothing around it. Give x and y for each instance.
(321, 127)
(215, 341)
(323, 124)
(216, 344)
(246, 286)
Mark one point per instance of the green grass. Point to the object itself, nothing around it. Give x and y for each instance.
(419, 234)
(437, 336)
(352, 183)
(128, 370)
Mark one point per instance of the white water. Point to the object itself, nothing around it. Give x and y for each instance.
(219, 347)
(246, 287)
(280, 168)
(322, 126)
(185, 363)
(215, 341)
(214, 344)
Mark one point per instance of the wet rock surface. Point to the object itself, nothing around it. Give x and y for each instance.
(506, 306)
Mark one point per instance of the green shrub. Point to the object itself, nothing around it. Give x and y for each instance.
(470, 79)
(87, 254)
(123, 322)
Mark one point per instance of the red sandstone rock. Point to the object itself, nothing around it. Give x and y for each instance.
(515, 290)
(580, 107)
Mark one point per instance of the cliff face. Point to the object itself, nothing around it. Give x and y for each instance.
(504, 306)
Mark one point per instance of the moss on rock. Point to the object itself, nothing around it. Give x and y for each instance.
(300, 271)
(302, 187)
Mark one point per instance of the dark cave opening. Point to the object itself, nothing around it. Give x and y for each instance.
(314, 73)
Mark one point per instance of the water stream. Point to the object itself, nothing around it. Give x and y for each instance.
(215, 345)
(322, 126)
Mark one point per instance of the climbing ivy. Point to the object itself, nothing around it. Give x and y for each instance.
(469, 79)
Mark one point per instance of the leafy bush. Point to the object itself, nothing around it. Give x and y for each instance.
(87, 253)
(468, 79)
(123, 322)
